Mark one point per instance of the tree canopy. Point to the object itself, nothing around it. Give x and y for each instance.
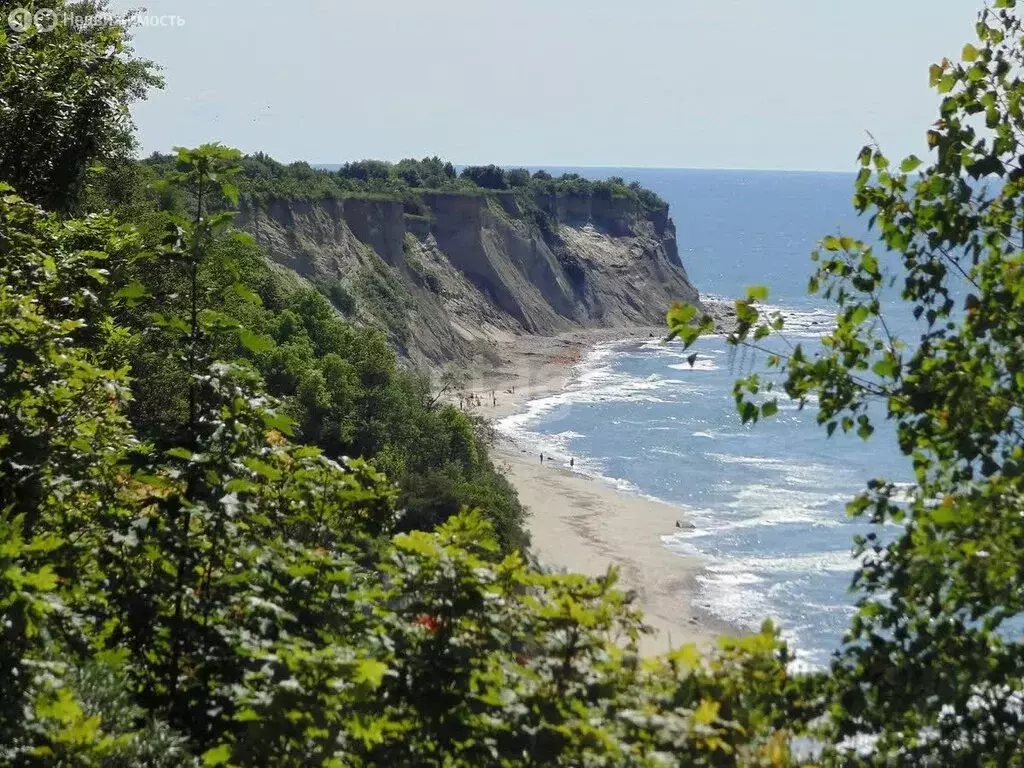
(66, 92)
(263, 178)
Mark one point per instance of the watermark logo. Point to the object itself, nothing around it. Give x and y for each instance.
(47, 19)
(20, 19)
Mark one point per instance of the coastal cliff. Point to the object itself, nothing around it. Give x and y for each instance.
(472, 268)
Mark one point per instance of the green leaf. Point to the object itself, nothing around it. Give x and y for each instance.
(970, 53)
(910, 164)
(219, 755)
(41, 581)
(707, 712)
(241, 485)
(770, 408)
(132, 292)
(243, 291)
(263, 469)
(370, 672)
(280, 422)
(254, 342)
(99, 275)
(886, 367)
(944, 514)
(65, 708)
(681, 314)
(230, 191)
(748, 412)
(757, 293)
(157, 481)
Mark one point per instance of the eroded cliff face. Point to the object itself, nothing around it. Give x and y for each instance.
(479, 268)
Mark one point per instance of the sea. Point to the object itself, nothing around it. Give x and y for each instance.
(763, 504)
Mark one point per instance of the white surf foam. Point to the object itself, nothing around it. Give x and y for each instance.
(595, 381)
(841, 561)
(700, 364)
(802, 323)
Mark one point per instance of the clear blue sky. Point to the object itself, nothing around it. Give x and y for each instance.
(652, 83)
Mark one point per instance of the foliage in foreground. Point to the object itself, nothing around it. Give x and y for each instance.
(238, 599)
(66, 95)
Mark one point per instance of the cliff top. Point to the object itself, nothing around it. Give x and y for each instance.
(264, 179)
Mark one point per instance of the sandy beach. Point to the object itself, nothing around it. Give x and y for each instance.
(578, 523)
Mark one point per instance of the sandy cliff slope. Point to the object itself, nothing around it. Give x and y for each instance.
(479, 268)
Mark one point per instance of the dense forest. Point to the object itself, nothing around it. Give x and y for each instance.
(235, 530)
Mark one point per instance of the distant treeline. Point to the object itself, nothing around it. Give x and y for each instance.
(263, 178)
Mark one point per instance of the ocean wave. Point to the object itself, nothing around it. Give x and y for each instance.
(741, 592)
(759, 497)
(715, 434)
(737, 599)
(595, 381)
(678, 545)
(700, 364)
(674, 349)
(791, 473)
(804, 323)
(596, 471)
(769, 519)
(841, 561)
(753, 461)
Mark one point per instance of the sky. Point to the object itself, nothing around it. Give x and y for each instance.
(758, 84)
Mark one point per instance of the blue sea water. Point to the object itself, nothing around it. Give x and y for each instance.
(766, 501)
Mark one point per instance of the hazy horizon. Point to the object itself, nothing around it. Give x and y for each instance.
(570, 168)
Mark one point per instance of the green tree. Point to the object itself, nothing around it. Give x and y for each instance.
(486, 176)
(519, 177)
(63, 442)
(64, 95)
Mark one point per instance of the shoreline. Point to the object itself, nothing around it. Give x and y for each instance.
(577, 522)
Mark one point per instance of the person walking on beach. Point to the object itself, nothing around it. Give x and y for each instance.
(572, 463)
(542, 458)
